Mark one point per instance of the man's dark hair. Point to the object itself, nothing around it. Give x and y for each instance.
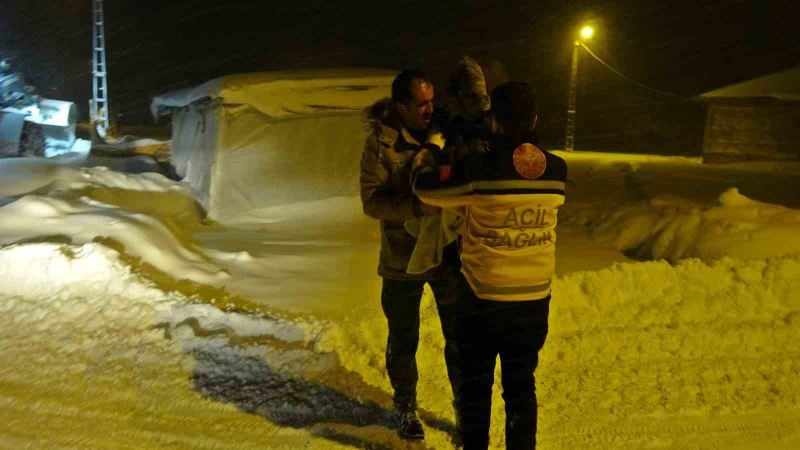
(401, 86)
(514, 107)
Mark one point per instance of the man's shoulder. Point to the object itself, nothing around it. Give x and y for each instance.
(541, 164)
(383, 135)
(553, 157)
(556, 166)
(525, 162)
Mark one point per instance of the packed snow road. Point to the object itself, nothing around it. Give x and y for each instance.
(129, 321)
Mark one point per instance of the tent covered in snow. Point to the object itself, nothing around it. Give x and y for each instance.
(254, 140)
(757, 119)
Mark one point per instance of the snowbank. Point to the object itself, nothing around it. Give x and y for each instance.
(149, 216)
(158, 228)
(643, 355)
(695, 352)
(654, 207)
(656, 343)
(667, 228)
(87, 363)
(319, 256)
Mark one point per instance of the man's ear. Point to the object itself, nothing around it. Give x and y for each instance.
(400, 107)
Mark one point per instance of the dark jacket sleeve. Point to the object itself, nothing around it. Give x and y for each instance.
(378, 198)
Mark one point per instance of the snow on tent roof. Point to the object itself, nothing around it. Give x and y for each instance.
(783, 85)
(285, 93)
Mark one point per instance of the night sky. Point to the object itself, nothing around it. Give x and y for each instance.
(684, 47)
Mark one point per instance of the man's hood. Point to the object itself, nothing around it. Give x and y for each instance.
(382, 113)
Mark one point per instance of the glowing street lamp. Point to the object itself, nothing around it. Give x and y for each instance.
(585, 34)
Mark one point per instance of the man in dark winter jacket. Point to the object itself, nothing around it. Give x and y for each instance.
(508, 192)
(400, 127)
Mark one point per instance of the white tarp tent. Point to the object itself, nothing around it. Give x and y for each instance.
(255, 140)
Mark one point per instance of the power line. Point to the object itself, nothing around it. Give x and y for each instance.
(625, 77)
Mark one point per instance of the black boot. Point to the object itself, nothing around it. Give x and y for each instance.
(409, 426)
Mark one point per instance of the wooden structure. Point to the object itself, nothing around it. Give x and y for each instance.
(757, 119)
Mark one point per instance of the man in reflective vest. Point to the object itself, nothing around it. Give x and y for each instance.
(508, 191)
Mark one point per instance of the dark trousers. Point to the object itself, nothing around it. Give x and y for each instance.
(401, 300)
(516, 331)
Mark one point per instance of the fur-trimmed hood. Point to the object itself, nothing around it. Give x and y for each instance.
(383, 121)
(382, 113)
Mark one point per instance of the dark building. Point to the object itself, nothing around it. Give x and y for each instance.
(757, 119)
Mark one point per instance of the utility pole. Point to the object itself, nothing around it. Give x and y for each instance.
(569, 143)
(98, 107)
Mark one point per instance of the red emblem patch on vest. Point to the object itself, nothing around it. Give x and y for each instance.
(444, 173)
(529, 161)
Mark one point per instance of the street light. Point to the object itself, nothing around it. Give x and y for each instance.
(585, 34)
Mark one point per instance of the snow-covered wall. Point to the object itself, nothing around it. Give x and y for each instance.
(250, 141)
(262, 163)
(194, 146)
(236, 159)
(752, 130)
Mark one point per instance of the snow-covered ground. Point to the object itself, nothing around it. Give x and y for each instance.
(131, 321)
